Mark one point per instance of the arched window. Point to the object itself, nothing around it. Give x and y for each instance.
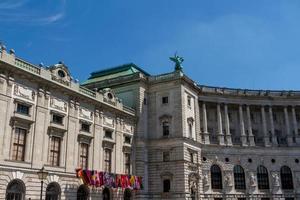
(239, 178)
(286, 178)
(53, 191)
(167, 185)
(216, 177)
(262, 178)
(82, 193)
(127, 194)
(106, 194)
(15, 190)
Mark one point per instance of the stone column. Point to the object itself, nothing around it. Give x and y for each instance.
(220, 128)
(264, 126)
(295, 124)
(287, 126)
(242, 126)
(274, 139)
(250, 134)
(227, 126)
(205, 132)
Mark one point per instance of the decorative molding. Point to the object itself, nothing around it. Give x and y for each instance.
(109, 121)
(17, 175)
(84, 138)
(276, 179)
(24, 92)
(127, 128)
(85, 114)
(126, 149)
(53, 178)
(108, 144)
(58, 104)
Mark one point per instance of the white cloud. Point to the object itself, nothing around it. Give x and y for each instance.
(18, 11)
(12, 4)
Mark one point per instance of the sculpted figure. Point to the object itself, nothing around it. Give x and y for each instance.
(252, 179)
(276, 180)
(205, 179)
(178, 61)
(228, 181)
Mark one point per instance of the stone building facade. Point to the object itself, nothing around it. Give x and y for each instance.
(201, 142)
(187, 141)
(48, 120)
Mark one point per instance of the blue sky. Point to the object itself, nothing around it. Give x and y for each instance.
(233, 43)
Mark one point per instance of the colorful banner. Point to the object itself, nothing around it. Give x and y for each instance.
(96, 178)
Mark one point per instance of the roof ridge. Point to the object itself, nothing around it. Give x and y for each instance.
(116, 69)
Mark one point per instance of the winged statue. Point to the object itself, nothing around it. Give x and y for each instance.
(178, 61)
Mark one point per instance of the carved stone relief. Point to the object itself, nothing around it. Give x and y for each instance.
(24, 92)
(86, 114)
(58, 104)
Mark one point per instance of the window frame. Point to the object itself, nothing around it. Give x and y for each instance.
(55, 154)
(54, 118)
(287, 182)
(127, 163)
(19, 109)
(262, 174)
(84, 155)
(166, 185)
(15, 190)
(166, 128)
(16, 144)
(85, 127)
(165, 100)
(216, 177)
(107, 159)
(108, 131)
(239, 178)
(127, 139)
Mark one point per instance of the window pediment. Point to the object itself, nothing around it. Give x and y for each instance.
(165, 117)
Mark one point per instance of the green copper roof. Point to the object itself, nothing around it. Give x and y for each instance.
(114, 72)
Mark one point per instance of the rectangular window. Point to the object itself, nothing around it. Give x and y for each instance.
(166, 128)
(127, 139)
(108, 134)
(127, 163)
(165, 100)
(107, 160)
(58, 119)
(189, 101)
(85, 127)
(84, 155)
(166, 156)
(191, 157)
(190, 130)
(55, 151)
(22, 109)
(19, 144)
(166, 185)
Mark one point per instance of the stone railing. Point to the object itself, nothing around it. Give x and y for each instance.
(128, 109)
(87, 92)
(247, 92)
(27, 66)
(163, 77)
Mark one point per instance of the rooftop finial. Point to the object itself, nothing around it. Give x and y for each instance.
(178, 61)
